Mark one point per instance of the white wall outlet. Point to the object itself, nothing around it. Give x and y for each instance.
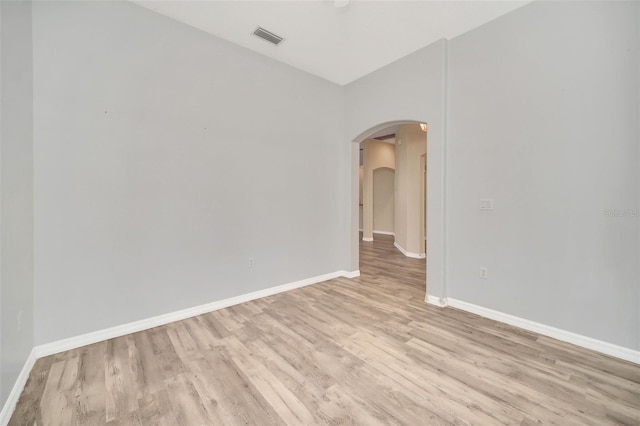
(484, 272)
(252, 262)
(486, 203)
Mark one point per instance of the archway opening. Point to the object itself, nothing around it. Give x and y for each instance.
(392, 198)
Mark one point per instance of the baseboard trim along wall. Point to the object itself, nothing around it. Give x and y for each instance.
(435, 300)
(145, 324)
(375, 231)
(545, 330)
(368, 240)
(16, 390)
(408, 253)
(121, 330)
(352, 274)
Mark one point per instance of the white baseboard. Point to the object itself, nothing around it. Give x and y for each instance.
(16, 390)
(408, 253)
(563, 335)
(375, 231)
(435, 300)
(352, 274)
(368, 240)
(94, 337)
(145, 324)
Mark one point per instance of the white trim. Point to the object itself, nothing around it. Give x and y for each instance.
(352, 274)
(145, 324)
(121, 330)
(563, 335)
(408, 253)
(124, 329)
(435, 300)
(377, 232)
(18, 386)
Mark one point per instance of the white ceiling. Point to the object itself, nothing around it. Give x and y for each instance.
(340, 44)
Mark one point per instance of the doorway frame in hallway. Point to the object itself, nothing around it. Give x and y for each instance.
(436, 289)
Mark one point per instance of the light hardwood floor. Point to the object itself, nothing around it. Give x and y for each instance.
(363, 351)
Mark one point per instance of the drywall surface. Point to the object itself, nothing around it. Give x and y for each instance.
(16, 192)
(2, 397)
(360, 195)
(411, 143)
(543, 118)
(376, 155)
(408, 89)
(383, 199)
(412, 88)
(165, 159)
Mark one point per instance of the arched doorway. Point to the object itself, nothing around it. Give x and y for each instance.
(431, 208)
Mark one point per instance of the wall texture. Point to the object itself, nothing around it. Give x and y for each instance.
(543, 118)
(16, 192)
(383, 199)
(164, 159)
(376, 155)
(411, 143)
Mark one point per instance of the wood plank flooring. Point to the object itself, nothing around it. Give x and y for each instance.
(363, 351)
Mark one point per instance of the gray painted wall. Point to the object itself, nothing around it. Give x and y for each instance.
(543, 118)
(2, 397)
(164, 159)
(16, 192)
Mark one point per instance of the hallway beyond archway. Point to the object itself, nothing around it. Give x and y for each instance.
(379, 259)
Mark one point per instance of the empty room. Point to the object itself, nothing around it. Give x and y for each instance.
(319, 212)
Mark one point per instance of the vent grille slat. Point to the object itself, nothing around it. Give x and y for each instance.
(268, 36)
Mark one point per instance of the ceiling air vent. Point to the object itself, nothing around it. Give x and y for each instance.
(268, 35)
